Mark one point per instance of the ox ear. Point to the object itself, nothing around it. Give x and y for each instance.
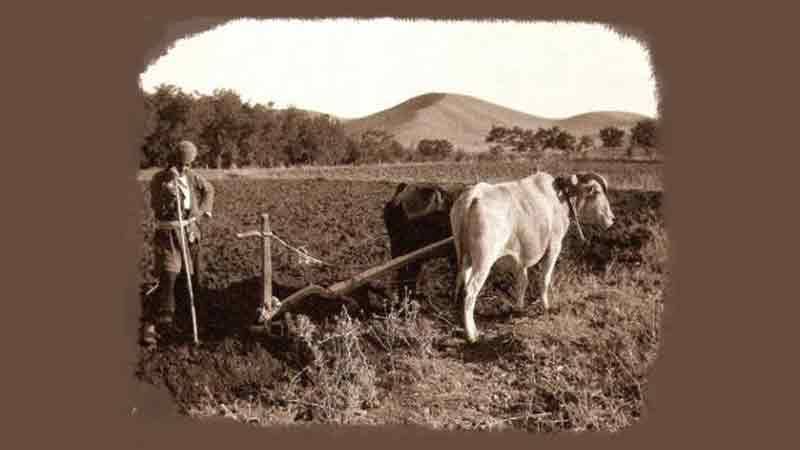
(400, 188)
(421, 202)
(443, 201)
(565, 184)
(397, 196)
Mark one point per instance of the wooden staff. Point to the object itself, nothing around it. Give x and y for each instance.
(186, 264)
(266, 264)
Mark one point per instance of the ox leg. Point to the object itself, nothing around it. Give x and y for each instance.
(547, 272)
(406, 276)
(461, 278)
(473, 285)
(459, 285)
(520, 285)
(410, 276)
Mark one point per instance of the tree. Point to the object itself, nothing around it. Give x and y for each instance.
(611, 136)
(564, 140)
(225, 127)
(435, 149)
(149, 154)
(275, 141)
(232, 133)
(353, 153)
(256, 142)
(329, 141)
(586, 142)
(497, 133)
(545, 137)
(528, 142)
(393, 152)
(554, 137)
(645, 134)
(495, 153)
(169, 121)
(376, 146)
(293, 128)
(515, 139)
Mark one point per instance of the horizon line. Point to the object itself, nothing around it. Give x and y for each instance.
(253, 102)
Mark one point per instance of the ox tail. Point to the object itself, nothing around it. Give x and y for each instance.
(471, 218)
(461, 230)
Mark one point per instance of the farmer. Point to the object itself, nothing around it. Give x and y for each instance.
(197, 196)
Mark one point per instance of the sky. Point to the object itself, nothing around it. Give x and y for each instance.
(352, 68)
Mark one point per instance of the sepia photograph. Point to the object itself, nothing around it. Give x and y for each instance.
(449, 224)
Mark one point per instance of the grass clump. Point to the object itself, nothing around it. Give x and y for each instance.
(338, 382)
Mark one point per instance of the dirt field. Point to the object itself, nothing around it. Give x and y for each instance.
(622, 174)
(582, 366)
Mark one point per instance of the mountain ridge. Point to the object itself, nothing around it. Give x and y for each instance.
(465, 120)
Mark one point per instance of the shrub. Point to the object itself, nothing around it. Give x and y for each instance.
(338, 380)
(460, 155)
(495, 153)
(402, 327)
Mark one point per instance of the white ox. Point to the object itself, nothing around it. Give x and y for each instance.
(525, 219)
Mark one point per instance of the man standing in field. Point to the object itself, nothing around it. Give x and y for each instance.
(197, 197)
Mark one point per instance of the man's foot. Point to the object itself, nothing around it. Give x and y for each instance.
(169, 331)
(149, 335)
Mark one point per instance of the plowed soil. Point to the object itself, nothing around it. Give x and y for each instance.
(599, 340)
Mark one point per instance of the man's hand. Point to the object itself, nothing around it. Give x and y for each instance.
(172, 188)
(207, 214)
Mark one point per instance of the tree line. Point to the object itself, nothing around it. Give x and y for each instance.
(516, 139)
(229, 133)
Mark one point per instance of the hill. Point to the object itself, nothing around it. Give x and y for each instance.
(465, 120)
(591, 123)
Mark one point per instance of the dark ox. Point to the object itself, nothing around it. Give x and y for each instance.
(417, 215)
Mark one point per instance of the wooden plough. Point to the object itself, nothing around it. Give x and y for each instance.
(339, 290)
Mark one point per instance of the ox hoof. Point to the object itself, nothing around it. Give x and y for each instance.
(472, 339)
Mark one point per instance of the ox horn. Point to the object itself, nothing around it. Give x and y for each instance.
(400, 188)
(585, 177)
